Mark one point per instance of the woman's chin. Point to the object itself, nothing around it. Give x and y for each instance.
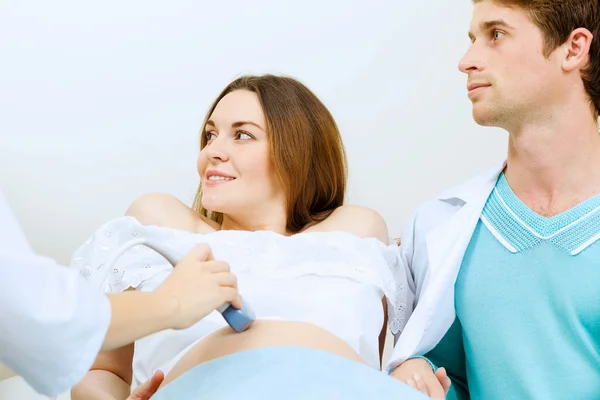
(215, 206)
(213, 202)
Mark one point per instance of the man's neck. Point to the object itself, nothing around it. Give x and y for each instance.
(554, 166)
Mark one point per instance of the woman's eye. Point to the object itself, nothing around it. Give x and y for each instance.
(210, 136)
(241, 135)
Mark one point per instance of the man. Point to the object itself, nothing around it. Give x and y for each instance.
(53, 323)
(506, 266)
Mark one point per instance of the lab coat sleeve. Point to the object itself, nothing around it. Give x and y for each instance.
(52, 322)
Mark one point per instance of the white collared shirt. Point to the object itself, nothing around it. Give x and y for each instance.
(52, 323)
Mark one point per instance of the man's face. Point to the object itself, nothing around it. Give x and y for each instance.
(509, 79)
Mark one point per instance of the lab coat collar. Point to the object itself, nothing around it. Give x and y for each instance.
(473, 189)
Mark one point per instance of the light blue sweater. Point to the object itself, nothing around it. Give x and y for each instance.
(528, 305)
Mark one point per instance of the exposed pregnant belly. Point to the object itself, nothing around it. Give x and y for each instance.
(263, 333)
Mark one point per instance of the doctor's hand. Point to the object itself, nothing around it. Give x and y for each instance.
(198, 285)
(418, 373)
(146, 390)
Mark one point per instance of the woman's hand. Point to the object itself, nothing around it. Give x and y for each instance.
(199, 285)
(418, 373)
(146, 390)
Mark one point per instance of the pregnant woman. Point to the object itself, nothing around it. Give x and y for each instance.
(321, 276)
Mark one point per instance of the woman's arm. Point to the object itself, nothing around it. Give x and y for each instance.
(109, 378)
(384, 330)
(111, 374)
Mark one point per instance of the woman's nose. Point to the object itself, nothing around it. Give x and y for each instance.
(217, 151)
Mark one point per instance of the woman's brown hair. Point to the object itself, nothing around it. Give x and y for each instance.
(306, 149)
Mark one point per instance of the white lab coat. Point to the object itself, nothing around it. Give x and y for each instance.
(433, 245)
(52, 322)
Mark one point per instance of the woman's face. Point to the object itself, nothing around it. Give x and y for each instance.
(235, 167)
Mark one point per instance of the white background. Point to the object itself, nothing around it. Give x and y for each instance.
(102, 102)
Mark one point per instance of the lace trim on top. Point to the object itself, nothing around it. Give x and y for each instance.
(263, 253)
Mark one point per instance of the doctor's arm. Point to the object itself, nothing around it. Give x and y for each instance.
(198, 283)
(53, 323)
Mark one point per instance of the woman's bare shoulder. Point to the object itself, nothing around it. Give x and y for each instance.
(162, 209)
(362, 221)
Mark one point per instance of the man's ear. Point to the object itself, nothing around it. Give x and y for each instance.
(577, 49)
